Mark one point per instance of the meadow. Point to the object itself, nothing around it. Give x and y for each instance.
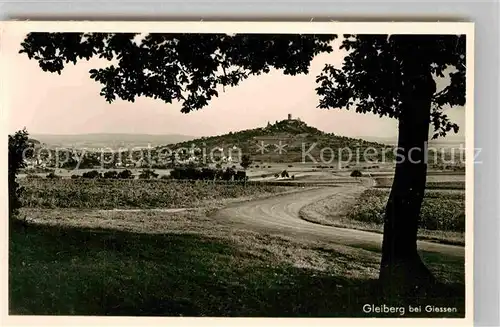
(151, 263)
(442, 214)
(443, 211)
(77, 257)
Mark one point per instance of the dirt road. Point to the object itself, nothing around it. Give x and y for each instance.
(280, 214)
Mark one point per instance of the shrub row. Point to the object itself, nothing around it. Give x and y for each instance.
(193, 173)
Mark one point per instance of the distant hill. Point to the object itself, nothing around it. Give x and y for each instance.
(114, 141)
(293, 137)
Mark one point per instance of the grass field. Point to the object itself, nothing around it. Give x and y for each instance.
(77, 257)
(442, 214)
(90, 262)
(108, 194)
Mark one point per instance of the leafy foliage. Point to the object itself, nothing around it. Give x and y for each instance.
(18, 143)
(191, 68)
(245, 161)
(93, 174)
(374, 76)
(112, 174)
(194, 173)
(148, 174)
(185, 67)
(125, 174)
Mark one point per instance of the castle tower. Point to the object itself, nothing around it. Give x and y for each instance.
(289, 116)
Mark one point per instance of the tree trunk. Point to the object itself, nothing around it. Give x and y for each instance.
(401, 267)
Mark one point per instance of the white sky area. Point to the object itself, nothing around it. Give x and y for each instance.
(70, 103)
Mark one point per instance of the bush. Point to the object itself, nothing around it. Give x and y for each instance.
(191, 173)
(241, 176)
(228, 174)
(284, 174)
(148, 174)
(356, 173)
(245, 162)
(257, 166)
(111, 174)
(125, 174)
(290, 166)
(75, 176)
(93, 174)
(17, 144)
(159, 166)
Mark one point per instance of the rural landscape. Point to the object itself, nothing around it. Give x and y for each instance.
(281, 219)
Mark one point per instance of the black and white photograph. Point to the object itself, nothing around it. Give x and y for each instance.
(276, 170)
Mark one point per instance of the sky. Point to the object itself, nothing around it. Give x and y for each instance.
(70, 103)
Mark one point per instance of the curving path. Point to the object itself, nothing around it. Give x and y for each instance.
(280, 214)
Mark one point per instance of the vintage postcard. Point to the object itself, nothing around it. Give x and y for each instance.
(243, 169)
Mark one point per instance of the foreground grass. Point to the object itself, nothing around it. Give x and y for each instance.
(108, 194)
(442, 214)
(94, 262)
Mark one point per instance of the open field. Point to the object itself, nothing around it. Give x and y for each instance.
(109, 194)
(121, 247)
(442, 213)
(190, 264)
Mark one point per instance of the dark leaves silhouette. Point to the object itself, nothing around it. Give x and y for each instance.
(184, 67)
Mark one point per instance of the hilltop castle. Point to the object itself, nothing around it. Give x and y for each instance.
(290, 118)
